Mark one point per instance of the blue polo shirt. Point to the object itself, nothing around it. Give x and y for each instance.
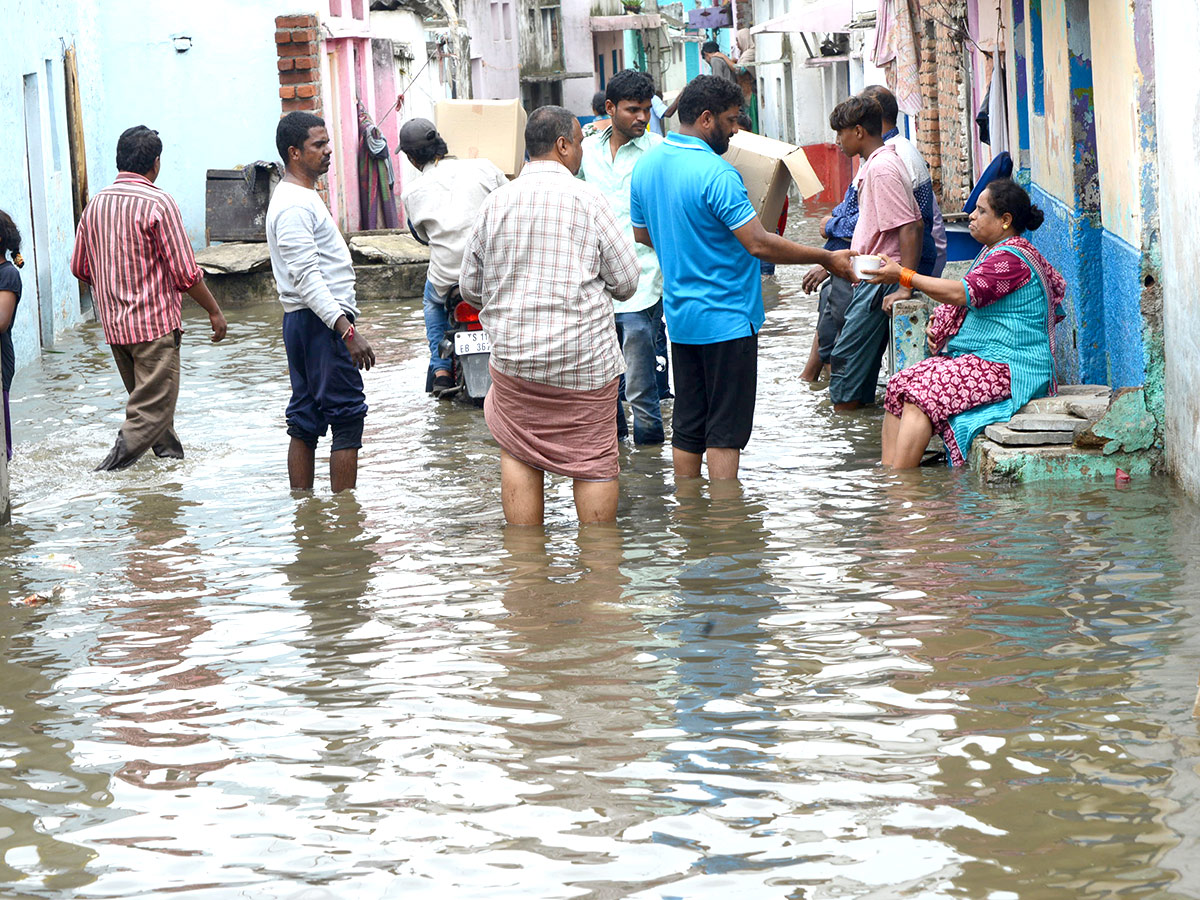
(691, 200)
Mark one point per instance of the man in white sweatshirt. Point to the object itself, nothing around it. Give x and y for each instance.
(315, 278)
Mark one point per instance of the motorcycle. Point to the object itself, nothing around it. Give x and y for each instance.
(467, 347)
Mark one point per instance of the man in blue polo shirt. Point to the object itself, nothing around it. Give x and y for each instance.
(692, 207)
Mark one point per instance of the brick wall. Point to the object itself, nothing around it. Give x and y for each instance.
(943, 125)
(298, 46)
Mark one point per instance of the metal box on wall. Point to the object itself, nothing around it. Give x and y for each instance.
(235, 202)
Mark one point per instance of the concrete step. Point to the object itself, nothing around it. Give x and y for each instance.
(1046, 422)
(1009, 437)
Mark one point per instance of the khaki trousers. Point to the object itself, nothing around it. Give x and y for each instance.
(150, 371)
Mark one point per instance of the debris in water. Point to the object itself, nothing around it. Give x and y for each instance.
(1122, 478)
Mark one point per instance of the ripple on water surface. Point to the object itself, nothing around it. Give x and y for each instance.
(825, 682)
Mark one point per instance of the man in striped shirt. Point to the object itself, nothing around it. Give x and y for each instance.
(132, 249)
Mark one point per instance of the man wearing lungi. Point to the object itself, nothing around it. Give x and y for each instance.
(692, 207)
(315, 278)
(544, 263)
(131, 247)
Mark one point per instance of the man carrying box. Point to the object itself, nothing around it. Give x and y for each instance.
(712, 292)
(441, 207)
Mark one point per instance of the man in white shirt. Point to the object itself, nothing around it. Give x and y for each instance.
(442, 205)
(608, 160)
(315, 278)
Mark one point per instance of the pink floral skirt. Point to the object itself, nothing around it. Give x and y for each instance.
(942, 386)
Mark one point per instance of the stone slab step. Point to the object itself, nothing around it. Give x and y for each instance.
(1084, 390)
(1046, 422)
(1009, 437)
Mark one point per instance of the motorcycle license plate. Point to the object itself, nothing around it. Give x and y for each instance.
(468, 342)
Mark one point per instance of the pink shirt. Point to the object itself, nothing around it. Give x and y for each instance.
(132, 249)
(885, 203)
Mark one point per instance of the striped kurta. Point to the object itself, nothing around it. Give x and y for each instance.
(131, 247)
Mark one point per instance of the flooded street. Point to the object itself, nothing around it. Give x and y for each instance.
(829, 681)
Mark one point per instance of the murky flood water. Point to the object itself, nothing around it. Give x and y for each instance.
(830, 681)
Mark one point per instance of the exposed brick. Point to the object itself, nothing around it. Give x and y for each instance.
(295, 21)
(302, 49)
(309, 105)
(283, 37)
(304, 35)
(286, 65)
(296, 77)
(306, 90)
(287, 92)
(306, 62)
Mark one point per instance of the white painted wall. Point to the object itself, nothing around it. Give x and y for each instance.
(577, 56)
(214, 106)
(1175, 27)
(34, 32)
(419, 79)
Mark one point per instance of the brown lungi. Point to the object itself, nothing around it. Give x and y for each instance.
(571, 433)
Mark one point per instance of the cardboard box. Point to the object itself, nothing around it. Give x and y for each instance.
(769, 167)
(488, 129)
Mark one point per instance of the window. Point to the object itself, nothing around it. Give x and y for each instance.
(506, 15)
(1039, 57)
(616, 63)
(600, 68)
(55, 150)
(495, 17)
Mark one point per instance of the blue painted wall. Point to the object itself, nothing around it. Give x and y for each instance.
(1121, 265)
(1071, 243)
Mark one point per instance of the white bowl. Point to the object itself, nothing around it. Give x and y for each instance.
(866, 264)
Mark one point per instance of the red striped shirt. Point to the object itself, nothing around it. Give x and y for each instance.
(132, 249)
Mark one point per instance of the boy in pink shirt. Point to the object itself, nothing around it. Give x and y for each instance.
(889, 222)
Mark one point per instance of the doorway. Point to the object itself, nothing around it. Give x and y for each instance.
(36, 173)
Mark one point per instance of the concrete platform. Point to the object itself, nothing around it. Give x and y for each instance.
(997, 464)
(388, 265)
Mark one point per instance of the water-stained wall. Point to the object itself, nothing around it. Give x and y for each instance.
(1174, 29)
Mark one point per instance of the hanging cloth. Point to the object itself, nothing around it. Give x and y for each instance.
(904, 79)
(997, 107)
(376, 178)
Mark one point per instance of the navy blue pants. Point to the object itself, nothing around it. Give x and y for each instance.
(327, 389)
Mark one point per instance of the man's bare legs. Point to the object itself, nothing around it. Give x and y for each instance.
(301, 465)
(343, 469)
(722, 463)
(812, 369)
(687, 465)
(523, 495)
(906, 438)
(522, 491)
(596, 501)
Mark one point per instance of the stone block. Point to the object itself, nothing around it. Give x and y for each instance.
(391, 247)
(390, 282)
(1084, 390)
(1046, 422)
(1090, 408)
(1002, 434)
(997, 464)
